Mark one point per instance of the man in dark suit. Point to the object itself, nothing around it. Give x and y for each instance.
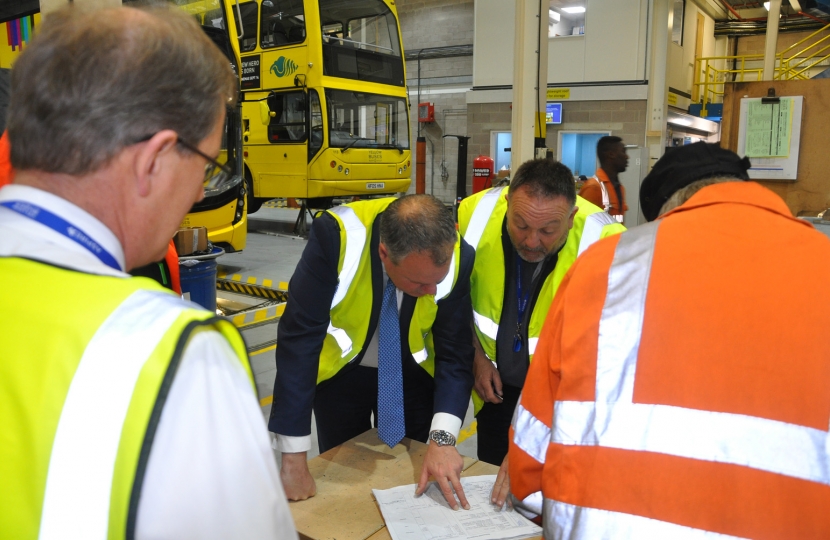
(378, 323)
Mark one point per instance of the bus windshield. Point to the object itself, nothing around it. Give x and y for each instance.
(363, 120)
(360, 41)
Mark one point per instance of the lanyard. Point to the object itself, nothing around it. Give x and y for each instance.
(61, 226)
(522, 305)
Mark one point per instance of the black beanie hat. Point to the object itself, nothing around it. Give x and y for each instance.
(683, 165)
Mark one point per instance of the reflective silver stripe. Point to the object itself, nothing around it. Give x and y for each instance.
(767, 445)
(487, 326)
(564, 520)
(621, 322)
(531, 506)
(606, 200)
(481, 216)
(445, 287)
(530, 434)
(592, 230)
(342, 338)
(355, 242)
(531, 345)
(420, 356)
(76, 502)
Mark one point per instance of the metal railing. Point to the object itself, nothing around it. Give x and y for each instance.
(795, 62)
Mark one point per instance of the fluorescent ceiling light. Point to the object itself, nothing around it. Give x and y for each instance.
(575, 9)
(766, 6)
(554, 15)
(680, 121)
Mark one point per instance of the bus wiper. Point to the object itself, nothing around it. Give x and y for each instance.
(400, 149)
(352, 143)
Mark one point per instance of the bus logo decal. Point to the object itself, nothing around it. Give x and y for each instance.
(282, 67)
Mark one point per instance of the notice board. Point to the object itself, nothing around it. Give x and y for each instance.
(769, 133)
(809, 194)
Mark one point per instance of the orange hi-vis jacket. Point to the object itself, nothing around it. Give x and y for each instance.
(599, 190)
(681, 385)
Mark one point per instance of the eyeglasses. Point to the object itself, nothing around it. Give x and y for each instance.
(216, 174)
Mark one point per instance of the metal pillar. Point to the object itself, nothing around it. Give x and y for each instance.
(529, 81)
(772, 39)
(658, 89)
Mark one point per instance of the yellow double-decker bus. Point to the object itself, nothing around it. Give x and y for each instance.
(324, 110)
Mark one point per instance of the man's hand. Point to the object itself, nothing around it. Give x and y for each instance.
(444, 463)
(501, 489)
(296, 478)
(487, 379)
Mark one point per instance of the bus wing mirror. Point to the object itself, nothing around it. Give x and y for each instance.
(265, 113)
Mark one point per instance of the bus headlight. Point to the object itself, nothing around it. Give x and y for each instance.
(227, 186)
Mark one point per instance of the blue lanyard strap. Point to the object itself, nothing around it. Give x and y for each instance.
(522, 305)
(61, 226)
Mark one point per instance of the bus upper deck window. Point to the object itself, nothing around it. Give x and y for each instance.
(249, 20)
(282, 23)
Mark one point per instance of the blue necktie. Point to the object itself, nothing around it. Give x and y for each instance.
(391, 428)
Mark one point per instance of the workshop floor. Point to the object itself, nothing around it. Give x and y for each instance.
(272, 252)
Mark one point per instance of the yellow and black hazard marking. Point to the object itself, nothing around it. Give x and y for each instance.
(252, 286)
(251, 290)
(257, 316)
(275, 203)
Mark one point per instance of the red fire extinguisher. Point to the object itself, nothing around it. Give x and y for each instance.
(483, 173)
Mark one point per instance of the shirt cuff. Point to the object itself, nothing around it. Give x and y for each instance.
(446, 422)
(290, 445)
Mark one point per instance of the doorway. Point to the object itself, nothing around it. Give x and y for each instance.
(578, 151)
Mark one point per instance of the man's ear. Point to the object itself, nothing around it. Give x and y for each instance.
(571, 218)
(383, 253)
(149, 160)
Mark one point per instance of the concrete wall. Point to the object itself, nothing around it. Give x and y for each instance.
(613, 47)
(625, 119)
(444, 82)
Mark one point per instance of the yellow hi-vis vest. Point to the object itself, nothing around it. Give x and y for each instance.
(480, 218)
(351, 307)
(86, 366)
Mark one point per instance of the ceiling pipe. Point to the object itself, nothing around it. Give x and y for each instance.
(731, 10)
(822, 21)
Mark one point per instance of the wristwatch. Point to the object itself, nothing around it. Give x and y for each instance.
(442, 438)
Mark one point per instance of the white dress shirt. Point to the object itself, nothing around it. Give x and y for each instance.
(210, 473)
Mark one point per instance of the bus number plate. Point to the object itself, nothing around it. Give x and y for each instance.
(375, 156)
(375, 185)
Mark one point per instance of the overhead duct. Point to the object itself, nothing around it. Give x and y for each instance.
(752, 28)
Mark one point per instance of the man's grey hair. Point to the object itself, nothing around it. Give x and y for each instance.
(95, 81)
(418, 223)
(544, 179)
(685, 193)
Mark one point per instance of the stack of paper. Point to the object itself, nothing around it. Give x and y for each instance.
(429, 517)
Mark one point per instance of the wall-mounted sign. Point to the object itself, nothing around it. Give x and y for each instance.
(672, 99)
(553, 113)
(558, 93)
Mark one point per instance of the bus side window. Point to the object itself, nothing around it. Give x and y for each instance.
(283, 23)
(249, 25)
(288, 125)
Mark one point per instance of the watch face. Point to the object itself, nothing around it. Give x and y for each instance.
(442, 438)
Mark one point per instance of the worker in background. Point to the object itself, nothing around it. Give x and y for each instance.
(526, 238)
(126, 412)
(377, 323)
(680, 385)
(604, 188)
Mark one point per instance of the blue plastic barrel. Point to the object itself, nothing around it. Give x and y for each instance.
(198, 278)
